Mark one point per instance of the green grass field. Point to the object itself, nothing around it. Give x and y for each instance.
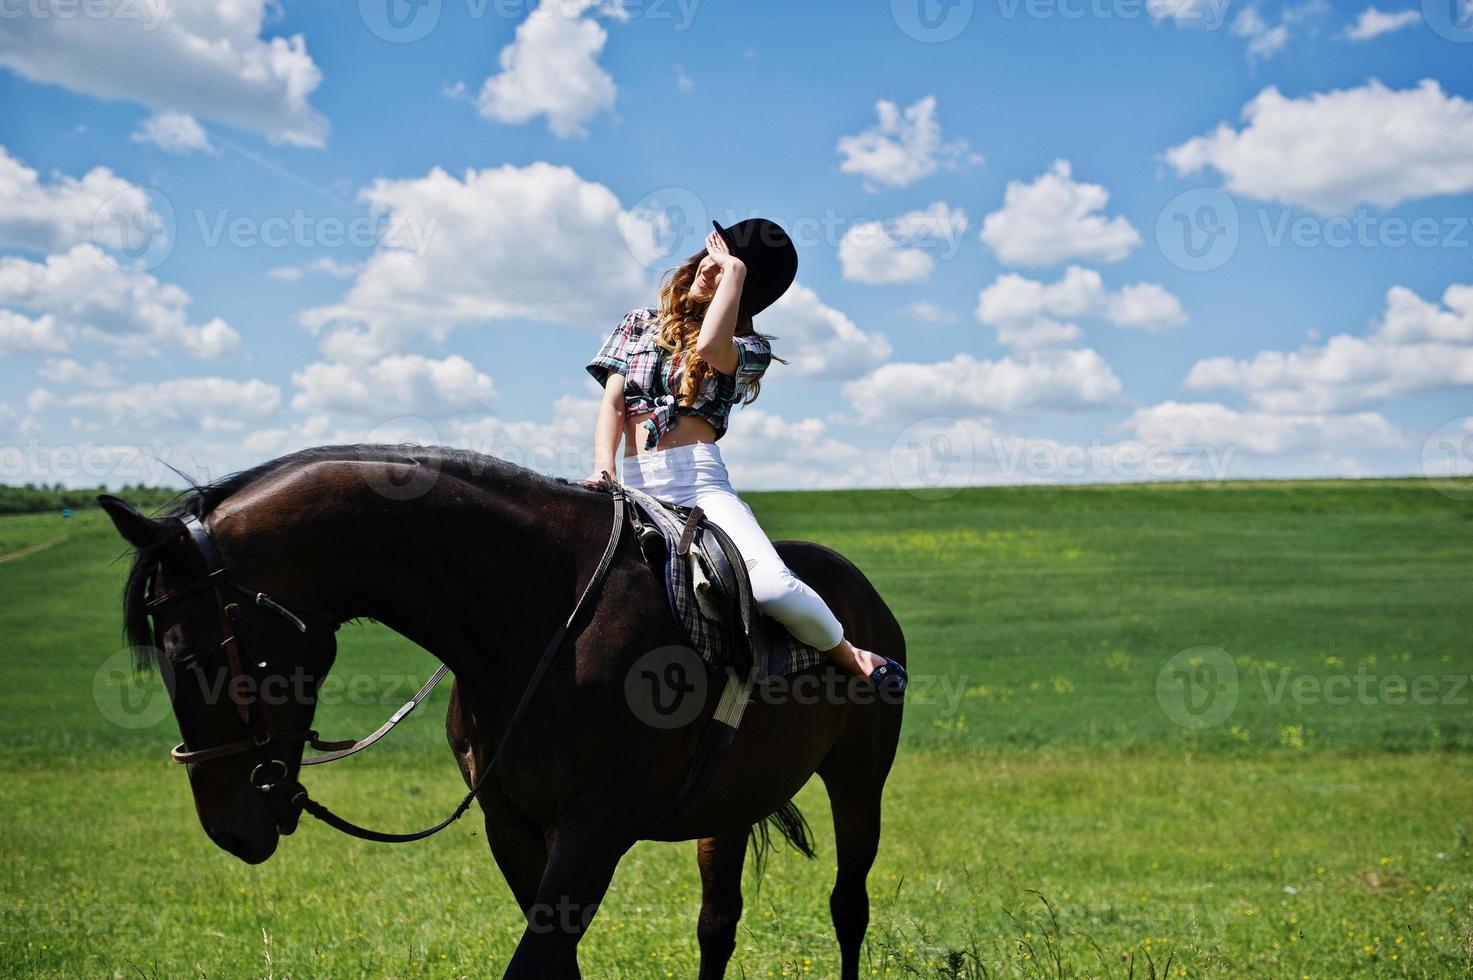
(1226, 727)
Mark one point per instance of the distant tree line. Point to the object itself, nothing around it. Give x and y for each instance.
(38, 498)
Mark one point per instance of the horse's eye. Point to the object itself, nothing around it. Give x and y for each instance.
(180, 653)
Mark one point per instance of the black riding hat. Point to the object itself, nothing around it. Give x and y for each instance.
(771, 260)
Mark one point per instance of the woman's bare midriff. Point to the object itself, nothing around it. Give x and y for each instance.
(688, 430)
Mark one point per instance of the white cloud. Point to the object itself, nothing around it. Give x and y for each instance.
(1028, 313)
(928, 312)
(75, 374)
(1262, 433)
(1054, 219)
(1019, 308)
(24, 335)
(1417, 346)
(1334, 150)
(1411, 319)
(1373, 23)
(1145, 306)
(535, 242)
(326, 265)
(1263, 41)
(48, 216)
(901, 249)
(83, 291)
(1050, 380)
(766, 450)
(212, 404)
(817, 340)
(551, 69)
(1345, 372)
(202, 57)
(560, 446)
(407, 384)
(173, 132)
(904, 146)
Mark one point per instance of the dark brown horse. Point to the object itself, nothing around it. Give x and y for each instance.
(480, 562)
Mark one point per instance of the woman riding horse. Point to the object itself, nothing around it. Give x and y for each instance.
(673, 373)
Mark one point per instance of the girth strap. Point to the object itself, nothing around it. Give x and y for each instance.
(716, 738)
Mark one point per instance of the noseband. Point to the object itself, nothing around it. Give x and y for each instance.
(273, 775)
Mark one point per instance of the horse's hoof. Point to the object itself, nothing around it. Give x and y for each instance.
(888, 678)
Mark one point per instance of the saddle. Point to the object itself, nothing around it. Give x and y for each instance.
(710, 593)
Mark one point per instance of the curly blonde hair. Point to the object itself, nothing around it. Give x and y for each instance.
(680, 326)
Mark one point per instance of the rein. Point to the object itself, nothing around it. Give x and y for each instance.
(272, 777)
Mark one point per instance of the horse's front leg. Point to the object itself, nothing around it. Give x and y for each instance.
(579, 868)
(518, 846)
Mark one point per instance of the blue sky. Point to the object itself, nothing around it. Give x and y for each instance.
(228, 230)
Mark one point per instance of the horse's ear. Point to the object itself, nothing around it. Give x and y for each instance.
(136, 529)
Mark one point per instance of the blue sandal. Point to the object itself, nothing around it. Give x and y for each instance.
(889, 677)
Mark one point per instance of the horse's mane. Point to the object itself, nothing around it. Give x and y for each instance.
(200, 499)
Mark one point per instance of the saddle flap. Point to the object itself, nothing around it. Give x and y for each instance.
(708, 591)
(731, 571)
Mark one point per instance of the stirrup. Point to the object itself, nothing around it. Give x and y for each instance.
(889, 677)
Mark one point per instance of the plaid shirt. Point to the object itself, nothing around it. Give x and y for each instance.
(652, 382)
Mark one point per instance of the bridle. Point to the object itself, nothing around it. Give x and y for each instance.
(254, 712)
(272, 776)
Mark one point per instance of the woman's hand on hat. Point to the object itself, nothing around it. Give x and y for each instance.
(720, 254)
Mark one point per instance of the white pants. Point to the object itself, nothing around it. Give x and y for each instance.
(695, 476)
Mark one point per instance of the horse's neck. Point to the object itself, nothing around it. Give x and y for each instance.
(473, 574)
(495, 579)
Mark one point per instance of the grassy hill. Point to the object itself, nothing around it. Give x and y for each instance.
(1222, 724)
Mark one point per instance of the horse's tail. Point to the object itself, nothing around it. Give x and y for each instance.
(793, 827)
